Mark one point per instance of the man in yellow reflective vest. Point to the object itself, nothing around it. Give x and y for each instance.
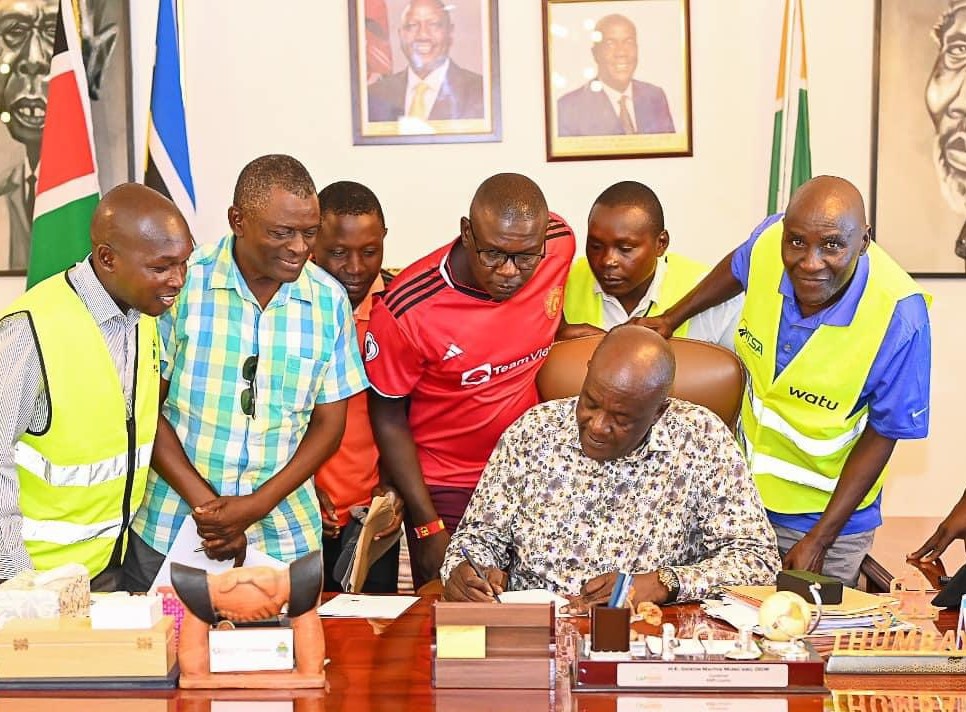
(836, 340)
(627, 273)
(79, 380)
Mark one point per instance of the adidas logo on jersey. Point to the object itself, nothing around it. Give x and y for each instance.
(452, 351)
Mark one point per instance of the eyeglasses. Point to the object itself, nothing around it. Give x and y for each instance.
(494, 259)
(248, 395)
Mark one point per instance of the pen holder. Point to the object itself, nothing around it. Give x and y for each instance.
(610, 629)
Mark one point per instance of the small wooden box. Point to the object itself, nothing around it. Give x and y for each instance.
(69, 648)
(513, 646)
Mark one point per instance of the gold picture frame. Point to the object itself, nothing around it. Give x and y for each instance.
(457, 38)
(617, 78)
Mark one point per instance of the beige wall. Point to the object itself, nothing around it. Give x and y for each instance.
(260, 83)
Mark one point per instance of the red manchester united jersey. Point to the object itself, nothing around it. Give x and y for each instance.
(467, 362)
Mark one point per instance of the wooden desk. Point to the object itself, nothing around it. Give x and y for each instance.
(387, 669)
(897, 537)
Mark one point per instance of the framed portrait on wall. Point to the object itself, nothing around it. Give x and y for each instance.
(617, 78)
(918, 201)
(424, 71)
(26, 46)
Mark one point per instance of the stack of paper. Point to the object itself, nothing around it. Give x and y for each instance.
(858, 611)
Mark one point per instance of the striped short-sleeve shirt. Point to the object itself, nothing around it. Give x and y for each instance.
(307, 354)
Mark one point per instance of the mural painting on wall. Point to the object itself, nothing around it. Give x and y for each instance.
(919, 135)
(424, 71)
(617, 78)
(27, 30)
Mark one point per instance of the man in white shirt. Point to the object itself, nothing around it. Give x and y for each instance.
(628, 274)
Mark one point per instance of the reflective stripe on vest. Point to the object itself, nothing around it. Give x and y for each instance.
(65, 533)
(78, 475)
(815, 447)
(76, 483)
(799, 429)
(768, 465)
(583, 305)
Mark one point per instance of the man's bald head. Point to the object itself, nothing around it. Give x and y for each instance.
(835, 195)
(140, 243)
(509, 196)
(625, 392)
(824, 235)
(134, 212)
(636, 360)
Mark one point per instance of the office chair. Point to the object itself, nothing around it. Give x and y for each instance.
(706, 374)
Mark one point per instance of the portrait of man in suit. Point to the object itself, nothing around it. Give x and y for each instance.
(614, 102)
(432, 87)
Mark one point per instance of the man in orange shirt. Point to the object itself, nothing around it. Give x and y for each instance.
(349, 247)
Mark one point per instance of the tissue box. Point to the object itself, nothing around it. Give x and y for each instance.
(121, 611)
(64, 591)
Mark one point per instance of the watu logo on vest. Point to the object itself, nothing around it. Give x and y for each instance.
(813, 399)
(744, 333)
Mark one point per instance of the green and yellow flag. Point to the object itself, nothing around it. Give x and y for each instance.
(791, 157)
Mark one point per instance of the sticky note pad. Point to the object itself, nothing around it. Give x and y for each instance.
(461, 642)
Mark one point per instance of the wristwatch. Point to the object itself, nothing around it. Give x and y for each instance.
(669, 580)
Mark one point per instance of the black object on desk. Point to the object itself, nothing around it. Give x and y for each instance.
(799, 582)
(952, 592)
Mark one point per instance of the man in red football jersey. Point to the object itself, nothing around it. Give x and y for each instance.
(453, 351)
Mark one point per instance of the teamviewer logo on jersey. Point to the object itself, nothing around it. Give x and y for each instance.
(477, 376)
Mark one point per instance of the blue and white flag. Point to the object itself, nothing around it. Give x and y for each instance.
(168, 166)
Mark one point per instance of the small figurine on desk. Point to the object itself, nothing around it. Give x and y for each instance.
(246, 595)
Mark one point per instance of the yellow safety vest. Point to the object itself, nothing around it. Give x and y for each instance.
(798, 430)
(82, 479)
(582, 305)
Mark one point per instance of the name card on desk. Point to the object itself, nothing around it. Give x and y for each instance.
(639, 703)
(696, 675)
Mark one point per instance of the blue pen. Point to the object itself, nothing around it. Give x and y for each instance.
(618, 592)
(477, 570)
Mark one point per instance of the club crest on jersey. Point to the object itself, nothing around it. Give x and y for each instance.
(477, 376)
(372, 348)
(551, 305)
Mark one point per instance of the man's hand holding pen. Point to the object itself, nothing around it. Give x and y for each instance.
(466, 584)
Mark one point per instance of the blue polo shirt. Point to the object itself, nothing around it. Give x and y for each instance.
(897, 388)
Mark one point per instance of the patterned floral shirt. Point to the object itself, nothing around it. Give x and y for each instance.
(554, 518)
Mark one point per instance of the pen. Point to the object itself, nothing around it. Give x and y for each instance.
(476, 569)
(617, 592)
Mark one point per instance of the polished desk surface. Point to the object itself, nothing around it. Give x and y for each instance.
(375, 666)
(899, 536)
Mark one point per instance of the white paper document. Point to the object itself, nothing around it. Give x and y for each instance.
(353, 605)
(536, 595)
(183, 550)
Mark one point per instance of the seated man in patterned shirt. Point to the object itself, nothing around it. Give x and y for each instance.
(621, 478)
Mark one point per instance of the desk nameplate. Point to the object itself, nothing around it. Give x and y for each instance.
(679, 675)
(708, 673)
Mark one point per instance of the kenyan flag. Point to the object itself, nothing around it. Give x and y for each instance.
(67, 188)
(791, 157)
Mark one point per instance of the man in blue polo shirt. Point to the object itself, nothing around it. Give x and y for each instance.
(836, 340)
